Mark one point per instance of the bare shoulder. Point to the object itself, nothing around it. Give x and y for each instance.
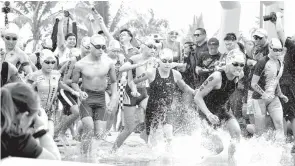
(136, 58)
(176, 74)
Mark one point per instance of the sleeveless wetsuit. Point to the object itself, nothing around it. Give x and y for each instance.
(47, 88)
(217, 100)
(161, 94)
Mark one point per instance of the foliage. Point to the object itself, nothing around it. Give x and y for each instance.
(146, 24)
(36, 13)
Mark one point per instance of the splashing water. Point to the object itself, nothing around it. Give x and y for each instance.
(199, 148)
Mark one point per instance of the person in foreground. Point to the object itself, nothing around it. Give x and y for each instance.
(22, 125)
(214, 93)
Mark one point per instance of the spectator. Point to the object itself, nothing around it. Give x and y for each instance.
(189, 60)
(125, 40)
(19, 111)
(172, 44)
(206, 60)
(201, 41)
(65, 44)
(261, 48)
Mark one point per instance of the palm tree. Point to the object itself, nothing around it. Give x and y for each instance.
(147, 24)
(37, 14)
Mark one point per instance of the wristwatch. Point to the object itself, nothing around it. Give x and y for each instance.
(41, 131)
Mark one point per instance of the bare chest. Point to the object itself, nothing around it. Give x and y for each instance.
(90, 71)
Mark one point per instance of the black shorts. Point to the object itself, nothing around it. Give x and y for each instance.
(68, 100)
(94, 106)
(289, 108)
(131, 101)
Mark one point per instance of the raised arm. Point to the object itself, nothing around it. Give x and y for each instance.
(279, 28)
(103, 26)
(60, 35)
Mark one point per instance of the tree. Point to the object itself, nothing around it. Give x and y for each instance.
(197, 23)
(147, 24)
(37, 14)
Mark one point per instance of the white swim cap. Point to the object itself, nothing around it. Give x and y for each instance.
(11, 28)
(96, 38)
(275, 43)
(46, 54)
(235, 55)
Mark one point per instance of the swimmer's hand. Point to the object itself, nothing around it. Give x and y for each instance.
(284, 98)
(213, 119)
(83, 95)
(135, 94)
(111, 105)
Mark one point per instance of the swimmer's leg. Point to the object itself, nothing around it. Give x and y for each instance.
(276, 113)
(130, 125)
(88, 127)
(235, 133)
(259, 115)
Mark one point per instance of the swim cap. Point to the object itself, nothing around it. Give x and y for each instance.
(235, 55)
(96, 37)
(46, 54)
(275, 43)
(11, 28)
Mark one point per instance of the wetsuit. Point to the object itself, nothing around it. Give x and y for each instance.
(47, 88)
(270, 75)
(217, 100)
(161, 94)
(4, 73)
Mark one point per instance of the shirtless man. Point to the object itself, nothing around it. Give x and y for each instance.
(137, 94)
(14, 54)
(94, 69)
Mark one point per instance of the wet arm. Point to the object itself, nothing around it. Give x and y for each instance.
(113, 80)
(14, 76)
(280, 30)
(209, 84)
(75, 78)
(128, 66)
(181, 84)
(60, 36)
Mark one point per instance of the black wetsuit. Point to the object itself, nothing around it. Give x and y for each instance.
(4, 73)
(217, 100)
(161, 94)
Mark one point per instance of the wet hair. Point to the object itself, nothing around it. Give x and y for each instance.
(16, 98)
(70, 34)
(128, 31)
(202, 30)
(230, 36)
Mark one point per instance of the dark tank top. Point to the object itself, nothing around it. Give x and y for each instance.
(162, 89)
(218, 98)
